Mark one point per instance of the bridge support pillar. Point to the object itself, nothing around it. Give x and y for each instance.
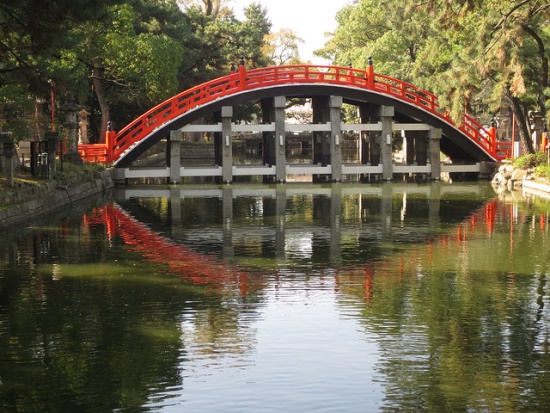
(435, 135)
(268, 138)
(321, 140)
(175, 156)
(386, 117)
(408, 147)
(279, 103)
(335, 105)
(226, 146)
(370, 141)
(421, 145)
(120, 177)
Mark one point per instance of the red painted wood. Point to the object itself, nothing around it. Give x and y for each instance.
(246, 80)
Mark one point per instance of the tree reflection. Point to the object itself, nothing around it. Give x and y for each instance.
(87, 324)
(461, 329)
(106, 311)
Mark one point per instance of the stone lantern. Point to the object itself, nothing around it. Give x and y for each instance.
(537, 121)
(71, 111)
(84, 122)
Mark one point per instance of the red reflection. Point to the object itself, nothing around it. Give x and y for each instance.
(369, 281)
(199, 268)
(422, 258)
(210, 270)
(490, 213)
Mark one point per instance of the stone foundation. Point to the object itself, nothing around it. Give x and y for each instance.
(18, 207)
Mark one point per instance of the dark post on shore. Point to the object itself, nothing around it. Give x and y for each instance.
(7, 154)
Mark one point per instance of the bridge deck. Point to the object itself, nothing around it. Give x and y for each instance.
(291, 169)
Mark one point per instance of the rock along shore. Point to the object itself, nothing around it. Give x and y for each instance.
(26, 204)
(508, 178)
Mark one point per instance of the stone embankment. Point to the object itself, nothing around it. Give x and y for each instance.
(509, 178)
(27, 203)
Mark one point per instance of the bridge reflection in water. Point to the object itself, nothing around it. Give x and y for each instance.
(187, 307)
(348, 228)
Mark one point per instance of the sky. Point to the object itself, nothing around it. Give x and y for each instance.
(309, 19)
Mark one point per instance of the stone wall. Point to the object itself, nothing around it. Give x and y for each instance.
(24, 204)
(196, 152)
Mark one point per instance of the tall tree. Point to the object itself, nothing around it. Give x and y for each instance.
(458, 49)
(387, 33)
(251, 35)
(508, 56)
(281, 47)
(32, 35)
(33, 29)
(212, 8)
(131, 62)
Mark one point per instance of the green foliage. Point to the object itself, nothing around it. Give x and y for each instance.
(388, 34)
(17, 112)
(252, 32)
(34, 31)
(139, 52)
(531, 160)
(71, 172)
(470, 54)
(543, 171)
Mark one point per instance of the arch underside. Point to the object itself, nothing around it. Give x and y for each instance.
(454, 143)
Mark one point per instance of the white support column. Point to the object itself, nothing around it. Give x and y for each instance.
(279, 103)
(335, 105)
(227, 152)
(386, 115)
(175, 156)
(434, 136)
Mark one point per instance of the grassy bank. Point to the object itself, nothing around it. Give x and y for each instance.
(537, 163)
(70, 173)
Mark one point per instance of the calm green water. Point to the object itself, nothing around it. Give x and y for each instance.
(293, 298)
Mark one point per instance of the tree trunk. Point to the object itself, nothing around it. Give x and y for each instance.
(103, 105)
(523, 127)
(542, 54)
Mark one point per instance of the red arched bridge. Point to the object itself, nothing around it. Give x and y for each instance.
(410, 107)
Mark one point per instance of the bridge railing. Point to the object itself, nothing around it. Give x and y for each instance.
(478, 133)
(171, 109)
(243, 80)
(93, 152)
(407, 92)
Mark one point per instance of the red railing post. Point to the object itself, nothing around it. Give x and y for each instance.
(370, 74)
(242, 74)
(544, 143)
(493, 138)
(109, 141)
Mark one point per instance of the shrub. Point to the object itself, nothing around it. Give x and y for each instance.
(543, 171)
(530, 160)
(72, 171)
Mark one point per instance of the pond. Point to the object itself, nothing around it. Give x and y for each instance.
(269, 298)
